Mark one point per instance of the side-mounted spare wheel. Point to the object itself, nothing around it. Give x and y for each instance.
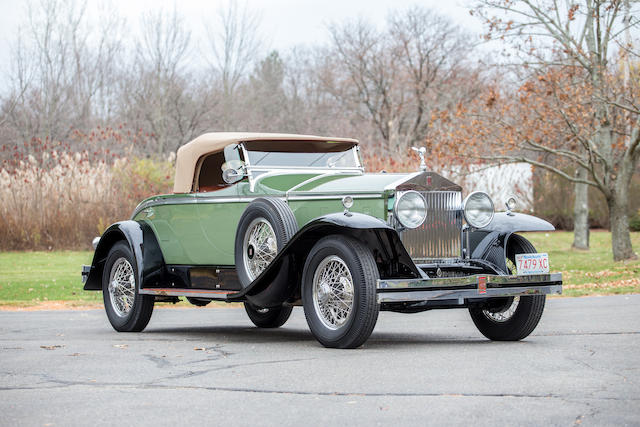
(511, 318)
(339, 292)
(127, 310)
(264, 229)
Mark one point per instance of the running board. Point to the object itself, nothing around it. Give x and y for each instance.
(194, 293)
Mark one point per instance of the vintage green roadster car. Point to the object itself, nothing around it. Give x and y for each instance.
(277, 220)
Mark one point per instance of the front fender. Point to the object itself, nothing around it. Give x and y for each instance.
(143, 244)
(383, 240)
(491, 242)
(515, 222)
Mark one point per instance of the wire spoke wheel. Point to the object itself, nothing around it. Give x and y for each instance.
(260, 247)
(339, 291)
(506, 312)
(509, 318)
(122, 286)
(333, 292)
(503, 313)
(127, 310)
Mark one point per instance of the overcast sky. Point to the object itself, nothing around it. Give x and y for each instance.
(285, 23)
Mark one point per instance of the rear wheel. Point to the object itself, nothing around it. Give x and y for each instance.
(339, 292)
(199, 302)
(268, 317)
(510, 318)
(127, 310)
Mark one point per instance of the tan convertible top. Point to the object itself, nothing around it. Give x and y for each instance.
(189, 154)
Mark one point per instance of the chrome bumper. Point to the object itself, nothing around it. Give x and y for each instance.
(477, 286)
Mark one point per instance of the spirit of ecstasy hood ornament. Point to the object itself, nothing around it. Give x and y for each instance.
(421, 152)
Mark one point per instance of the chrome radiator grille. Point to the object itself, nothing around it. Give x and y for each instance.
(439, 236)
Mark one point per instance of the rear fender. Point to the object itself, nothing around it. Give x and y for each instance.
(144, 247)
(391, 256)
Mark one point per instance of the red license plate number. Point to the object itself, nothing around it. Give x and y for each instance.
(532, 264)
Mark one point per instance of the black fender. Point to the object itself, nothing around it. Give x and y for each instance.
(514, 222)
(143, 244)
(492, 242)
(391, 256)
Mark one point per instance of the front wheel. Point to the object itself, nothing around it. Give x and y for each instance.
(510, 318)
(127, 310)
(339, 292)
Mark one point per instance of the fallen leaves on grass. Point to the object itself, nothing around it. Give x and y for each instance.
(601, 274)
(615, 284)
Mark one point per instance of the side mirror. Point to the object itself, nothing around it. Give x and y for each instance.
(231, 176)
(233, 171)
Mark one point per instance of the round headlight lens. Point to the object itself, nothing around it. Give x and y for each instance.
(478, 209)
(411, 209)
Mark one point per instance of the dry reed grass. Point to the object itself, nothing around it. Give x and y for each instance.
(53, 198)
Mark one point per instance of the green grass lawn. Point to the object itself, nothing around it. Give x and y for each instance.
(35, 278)
(30, 278)
(591, 272)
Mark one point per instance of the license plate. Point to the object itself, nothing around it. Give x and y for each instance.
(532, 264)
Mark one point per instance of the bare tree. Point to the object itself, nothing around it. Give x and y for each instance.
(431, 51)
(160, 94)
(234, 47)
(580, 39)
(310, 107)
(262, 99)
(397, 77)
(62, 69)
(581, 210)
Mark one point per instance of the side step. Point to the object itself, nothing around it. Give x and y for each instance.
(196, 293)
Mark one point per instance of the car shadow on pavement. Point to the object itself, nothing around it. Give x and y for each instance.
(253, 335)
(384, 339)
(244, 334)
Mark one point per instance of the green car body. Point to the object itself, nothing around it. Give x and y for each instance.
(200, 228)
(278, 220)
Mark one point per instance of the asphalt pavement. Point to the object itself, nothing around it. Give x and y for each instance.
(212, 367)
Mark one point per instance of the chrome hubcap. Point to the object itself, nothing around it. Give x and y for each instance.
(122, 285)
(260, 247)
(333, 292)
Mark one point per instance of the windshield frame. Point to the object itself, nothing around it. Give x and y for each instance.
(256, 173)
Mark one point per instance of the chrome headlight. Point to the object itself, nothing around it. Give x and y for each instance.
(411, 209)
(478, 209)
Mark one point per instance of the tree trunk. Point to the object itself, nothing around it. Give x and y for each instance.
(581, 212)
(620, 236)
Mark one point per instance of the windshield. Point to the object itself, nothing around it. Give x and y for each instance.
(344, 159)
